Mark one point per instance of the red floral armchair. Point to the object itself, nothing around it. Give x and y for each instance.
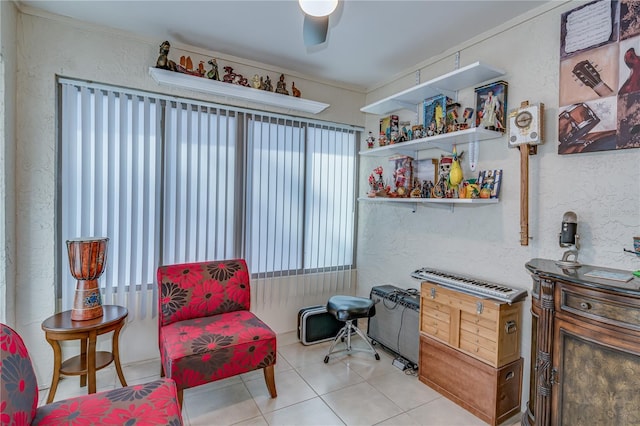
(206, 332)
(153, 403)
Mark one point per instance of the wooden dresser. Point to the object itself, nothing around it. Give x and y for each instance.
(470, 351)
(586, 347)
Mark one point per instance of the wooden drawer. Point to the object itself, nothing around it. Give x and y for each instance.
(485, 308)
(485, 329)
(492, 394)
(436, 320)
(600, 307)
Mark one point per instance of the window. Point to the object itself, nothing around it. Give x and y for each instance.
(172, 181)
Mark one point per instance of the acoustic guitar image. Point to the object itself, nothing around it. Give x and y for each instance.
(589, 75)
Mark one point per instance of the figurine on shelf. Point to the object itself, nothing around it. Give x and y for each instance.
(186, 66)
(466, 115)
(230, 76)
(377, 185)
(394, 137)
(256, 82)
(267, 85)
(382, 140)
(432, 129)
(242, 80)
(371, 140)
(427, 189)
(400, 178)
(417, 132)
(163, 60)
(416, 192)
(201, 70)
(294, 90)
(281, 86)
(213, 72)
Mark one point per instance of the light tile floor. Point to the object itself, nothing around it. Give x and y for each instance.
(349, 390)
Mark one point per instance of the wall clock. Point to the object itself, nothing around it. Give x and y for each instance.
(526, 125)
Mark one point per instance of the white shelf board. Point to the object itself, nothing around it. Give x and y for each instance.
(444, 141)
(235, 91)
(446, 84)
(430, 200)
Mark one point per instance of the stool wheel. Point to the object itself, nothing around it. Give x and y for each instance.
(377, 357)
(326, 359)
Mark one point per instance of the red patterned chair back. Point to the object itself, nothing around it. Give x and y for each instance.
(197, 290)
(18, 386)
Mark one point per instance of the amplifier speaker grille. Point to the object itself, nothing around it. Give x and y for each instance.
(396, 322)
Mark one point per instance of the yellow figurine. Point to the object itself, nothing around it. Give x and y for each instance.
(455, 174)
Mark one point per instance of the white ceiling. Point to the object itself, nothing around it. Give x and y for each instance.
(368, 43)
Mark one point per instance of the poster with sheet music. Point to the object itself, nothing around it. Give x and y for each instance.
(599, 99)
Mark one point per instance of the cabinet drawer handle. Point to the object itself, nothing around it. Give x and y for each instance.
(510, 327)
(585, 305)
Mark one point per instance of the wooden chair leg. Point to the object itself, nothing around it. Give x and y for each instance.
(270, 380)
(180, 394)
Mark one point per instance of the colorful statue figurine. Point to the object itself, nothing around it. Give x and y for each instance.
(230, 76)
(163, 60)
(213, 73)
(382, 140)
(371, 140)
(255, 82)
(294, 89)
(281, 86)
(267, 85)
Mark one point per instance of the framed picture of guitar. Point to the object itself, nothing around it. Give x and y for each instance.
(599, 77)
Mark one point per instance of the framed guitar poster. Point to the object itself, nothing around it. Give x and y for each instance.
(599, 77)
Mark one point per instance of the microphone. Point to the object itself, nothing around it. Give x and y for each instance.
(569, 237)
(569, 230)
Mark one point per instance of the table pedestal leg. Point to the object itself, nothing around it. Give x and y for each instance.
(91, 362)
(116, 357)
(83, 362)
(57, 364)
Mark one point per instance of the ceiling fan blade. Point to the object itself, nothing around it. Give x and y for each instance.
(314, 30)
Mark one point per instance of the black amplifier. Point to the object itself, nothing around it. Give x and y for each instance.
(396, 322)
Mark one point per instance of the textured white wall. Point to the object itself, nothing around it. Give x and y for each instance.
(50, 46)
(483, 241)
(8, 15)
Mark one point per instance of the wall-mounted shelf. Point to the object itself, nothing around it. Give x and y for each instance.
(218, 88)
(430, 200)
(444, 141)
(446, 84)
(413, 202)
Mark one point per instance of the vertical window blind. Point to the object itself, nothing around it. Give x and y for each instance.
(172, 180)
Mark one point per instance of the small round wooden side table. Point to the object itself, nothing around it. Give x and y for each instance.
(60, 327)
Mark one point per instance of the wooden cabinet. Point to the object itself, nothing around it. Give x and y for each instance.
(470, 351)
(492, 394)
(485, 329)
(586, 343)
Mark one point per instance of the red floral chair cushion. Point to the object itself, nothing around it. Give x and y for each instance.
(206, 331)
(153, 403)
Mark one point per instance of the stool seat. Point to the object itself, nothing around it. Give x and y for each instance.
(350, 307)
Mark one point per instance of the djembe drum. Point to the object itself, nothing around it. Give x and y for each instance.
(87, 258)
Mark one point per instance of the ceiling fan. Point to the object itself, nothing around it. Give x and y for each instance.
(316, 20)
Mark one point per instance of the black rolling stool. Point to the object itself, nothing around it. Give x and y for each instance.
(347, 309)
